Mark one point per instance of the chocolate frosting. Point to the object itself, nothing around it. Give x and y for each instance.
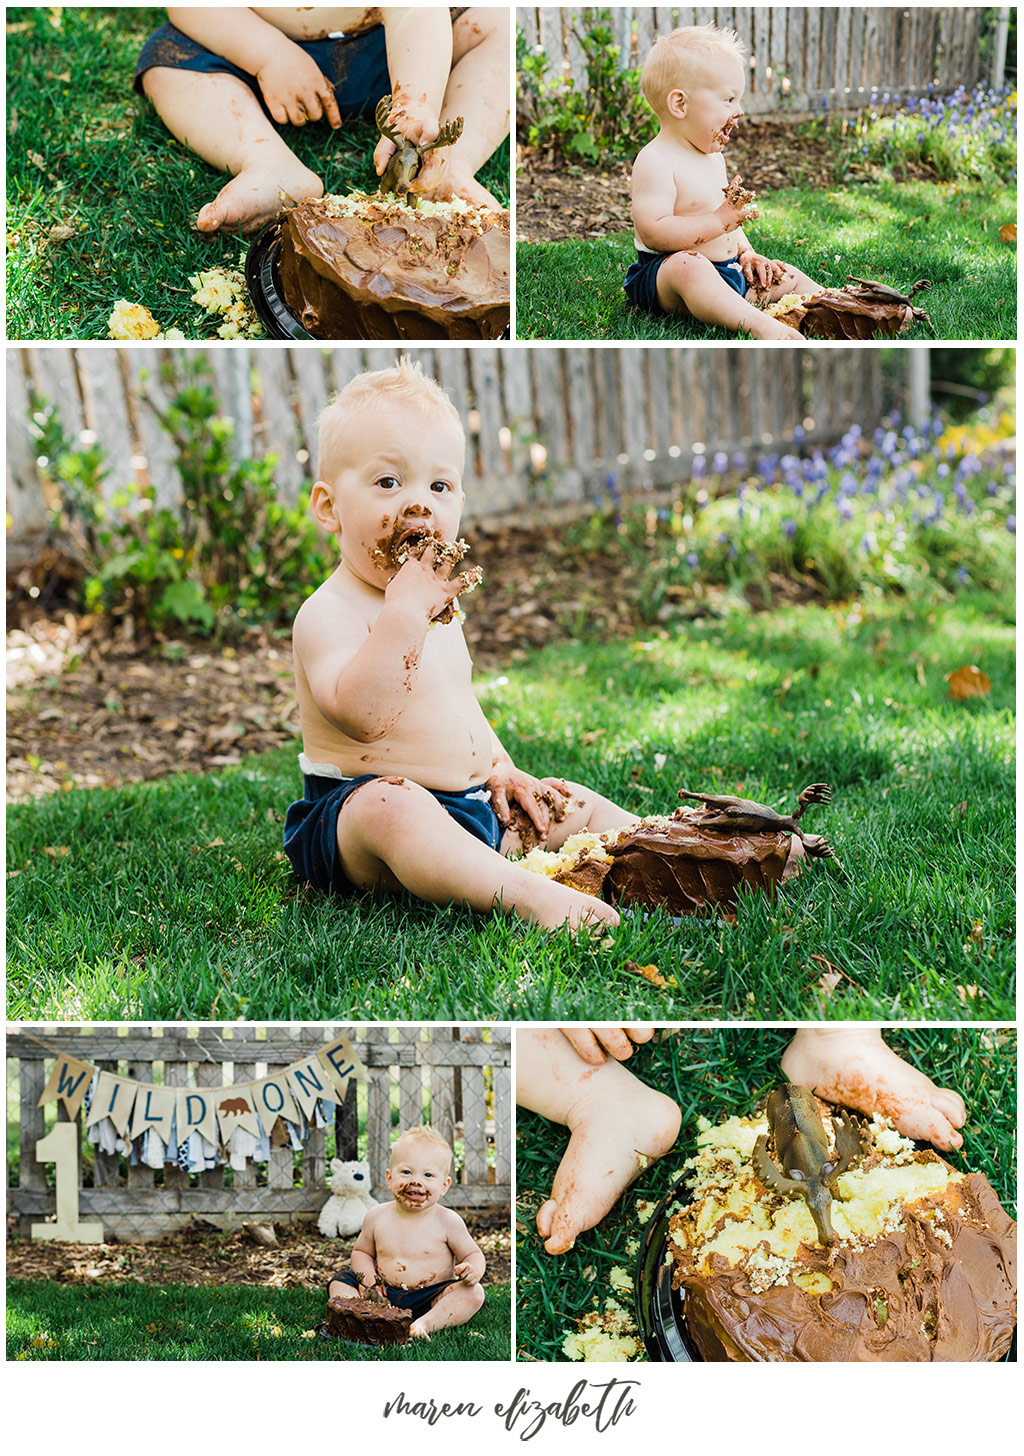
(402, 275)
(367, 1321)
(682, 867)
(906, 1296)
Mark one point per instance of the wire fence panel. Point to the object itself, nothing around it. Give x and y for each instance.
(799, 55)
(456, 1078)
(546, 426)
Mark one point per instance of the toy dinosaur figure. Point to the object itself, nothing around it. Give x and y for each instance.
(801, 1145)
(874, 294)
(407, 159)
(744, 816)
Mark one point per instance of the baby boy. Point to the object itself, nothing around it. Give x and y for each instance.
(693, 257)
(416, 1252)
(221, 77)
(406, 785)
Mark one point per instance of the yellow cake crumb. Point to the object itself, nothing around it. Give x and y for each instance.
(131, 321)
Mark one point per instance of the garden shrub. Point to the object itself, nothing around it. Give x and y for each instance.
(609, 120)
(228, 555)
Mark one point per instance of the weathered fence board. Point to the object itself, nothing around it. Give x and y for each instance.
(465, 1079)
(546, 425)
(798, 55)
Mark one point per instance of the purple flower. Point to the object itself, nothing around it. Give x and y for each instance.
(789, 527)
(692, 560)
(720, 463)
(698, 467)
(1011, 525)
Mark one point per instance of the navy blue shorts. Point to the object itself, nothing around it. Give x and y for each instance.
(416, 1301)
(355, 65)
(641, 280)
(311, 826)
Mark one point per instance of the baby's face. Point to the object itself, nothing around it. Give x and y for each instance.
(418, 1175)
(714, 107)
(403, 476)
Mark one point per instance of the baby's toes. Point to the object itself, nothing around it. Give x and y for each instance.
(951, 1105)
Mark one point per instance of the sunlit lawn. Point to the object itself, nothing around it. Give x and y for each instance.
(896, 232)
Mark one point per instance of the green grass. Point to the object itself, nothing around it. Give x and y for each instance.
(895, 232)
(715, 1074)
(83, 151)
(229, 1322)
(122, 906)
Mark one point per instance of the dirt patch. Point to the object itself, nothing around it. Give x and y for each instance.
(302, 1260)
(87, 710)
(556, 200)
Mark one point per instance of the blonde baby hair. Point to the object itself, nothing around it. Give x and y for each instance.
(404, 383)
(678, 61)
(426, 1137)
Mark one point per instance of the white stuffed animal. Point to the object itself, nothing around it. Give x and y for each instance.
(342, 1214)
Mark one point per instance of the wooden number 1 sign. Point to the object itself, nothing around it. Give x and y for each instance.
(61, 1147)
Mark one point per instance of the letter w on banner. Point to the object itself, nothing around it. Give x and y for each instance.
(69, 1081)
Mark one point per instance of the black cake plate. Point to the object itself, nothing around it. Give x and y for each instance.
(660, 1314)
(659, 1307)
(264, 284)
(262, 278)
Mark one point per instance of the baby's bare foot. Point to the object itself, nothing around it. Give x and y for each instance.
(766, 327)
(255, 197)
(557, 907)
(441, 180)
(854, 1067)
(618, 1124)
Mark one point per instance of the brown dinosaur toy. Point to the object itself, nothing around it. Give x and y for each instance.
(407, 159)
(801, 1145)
(745, 816)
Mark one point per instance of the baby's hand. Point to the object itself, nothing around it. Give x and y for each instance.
(762, 272)
(467, 1272)
(410, 117)
(508, 782)
(296, 90)
(735, 214)
(592, 1042)
(423, 582)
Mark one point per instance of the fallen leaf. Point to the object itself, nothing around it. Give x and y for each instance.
(968, 682)
(649, 973)
(1008, 232)
(829, 982)
(57, 851)
(967, 993)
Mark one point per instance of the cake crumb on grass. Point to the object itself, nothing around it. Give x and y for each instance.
(605, 1335)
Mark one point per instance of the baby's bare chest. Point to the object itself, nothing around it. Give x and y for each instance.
(700, 185)
(414, 1243)
(313, 22)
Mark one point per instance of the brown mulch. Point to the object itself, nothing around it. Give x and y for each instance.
(556, 200)
(87, 708)
(302, 1259)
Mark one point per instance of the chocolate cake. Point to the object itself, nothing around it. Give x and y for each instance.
(370, 268)
(924, 1268)
(366, 1322)
(667, 861)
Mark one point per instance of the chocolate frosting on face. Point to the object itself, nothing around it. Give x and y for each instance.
(681, 867)
(906, 1296)
(395, 273)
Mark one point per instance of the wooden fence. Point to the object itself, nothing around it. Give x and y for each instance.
(461, 1074)
(799, 54)
(547, 426)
